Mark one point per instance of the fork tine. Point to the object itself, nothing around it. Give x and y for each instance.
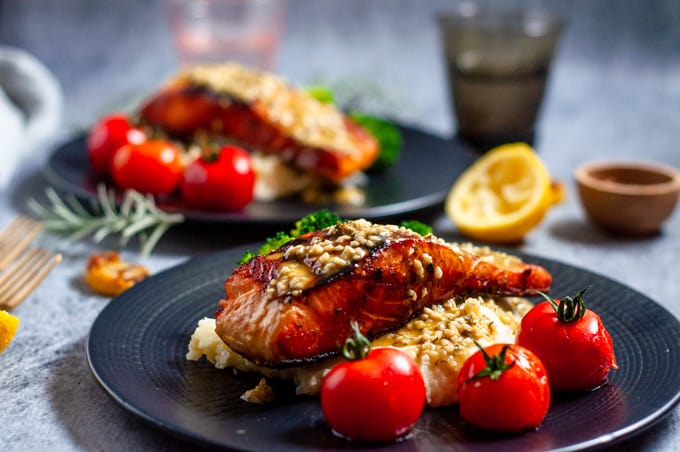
(14, 270)
(16, 237)
(10, 233)
(14, 228)
(17, 273)
(26, 273)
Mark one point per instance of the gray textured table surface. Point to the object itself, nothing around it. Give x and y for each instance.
(615, 92)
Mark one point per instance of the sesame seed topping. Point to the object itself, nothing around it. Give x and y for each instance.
(418, 266)
(444, 333)
(331, 251)
(438, 273)
(291, 110)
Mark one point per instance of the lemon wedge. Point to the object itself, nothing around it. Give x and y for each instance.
(8, 328)
(503, 195)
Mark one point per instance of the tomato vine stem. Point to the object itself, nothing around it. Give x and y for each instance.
(356, 347)
(495, 365)
(568, 309)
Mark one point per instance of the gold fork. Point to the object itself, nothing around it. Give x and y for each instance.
(21, 273)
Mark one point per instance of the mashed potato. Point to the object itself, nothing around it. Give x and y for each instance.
(275, 179)
(440, 339)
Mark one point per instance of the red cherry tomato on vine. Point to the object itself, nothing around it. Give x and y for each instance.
(154, 166)
(106, 136)
(503, 387)
(221, 182)
(375, 398)
(572, 342)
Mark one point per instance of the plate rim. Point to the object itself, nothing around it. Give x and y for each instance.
(609, 439)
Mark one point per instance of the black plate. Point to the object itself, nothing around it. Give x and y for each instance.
(418, 181)
(137, 346)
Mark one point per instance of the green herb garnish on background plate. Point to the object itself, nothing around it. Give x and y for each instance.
(385, 132)
(388, 137)
(321, 93)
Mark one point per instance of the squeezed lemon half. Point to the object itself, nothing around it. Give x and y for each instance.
(503, 195)
(8, 328)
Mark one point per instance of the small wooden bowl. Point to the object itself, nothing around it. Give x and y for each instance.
(627, 197)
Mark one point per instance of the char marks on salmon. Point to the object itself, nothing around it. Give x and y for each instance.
(295, 304)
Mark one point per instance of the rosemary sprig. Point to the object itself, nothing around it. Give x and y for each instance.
(138, 216)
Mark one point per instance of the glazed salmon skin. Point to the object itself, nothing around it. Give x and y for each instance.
(295, 304)
(263, 112)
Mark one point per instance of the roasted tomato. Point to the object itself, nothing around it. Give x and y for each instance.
(503, 387)
(221, 181)
(378, 395)
(106, 136)
(571, 340)
(154, 166)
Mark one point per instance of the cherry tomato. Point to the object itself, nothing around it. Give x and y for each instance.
(106, 136)
(375, 398)
(222, 182)
(572, 342)
(154, 166)
(503, 387)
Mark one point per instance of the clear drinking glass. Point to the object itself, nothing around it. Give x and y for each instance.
(498, 64)
(245, 31)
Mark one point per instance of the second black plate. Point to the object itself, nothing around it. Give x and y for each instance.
(418, 181)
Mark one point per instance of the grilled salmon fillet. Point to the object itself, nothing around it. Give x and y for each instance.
(439, 339)
(295, 304)
(262, 111)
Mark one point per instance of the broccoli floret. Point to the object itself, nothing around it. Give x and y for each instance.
(273, 243)
(315, 221)
(309, 223)
(269, 245)
(416, 226)
(388, 136)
